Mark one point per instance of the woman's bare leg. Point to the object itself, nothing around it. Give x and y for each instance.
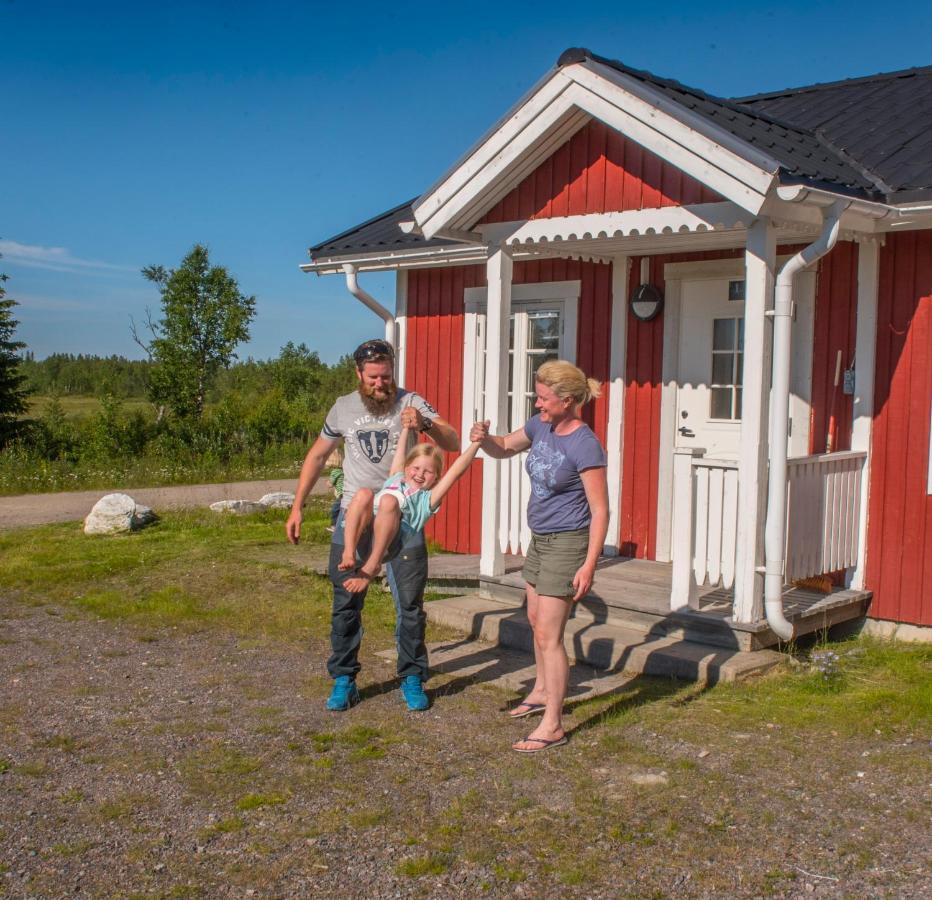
(552, 613)
(355, 521)
(538, 693)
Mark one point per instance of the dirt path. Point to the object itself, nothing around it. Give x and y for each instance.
(68, 506)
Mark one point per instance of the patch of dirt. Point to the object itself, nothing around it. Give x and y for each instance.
(169, 763)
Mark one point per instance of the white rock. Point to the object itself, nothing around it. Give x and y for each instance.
(117, 514)
(240, 507)
(277, 500)
(649, 778)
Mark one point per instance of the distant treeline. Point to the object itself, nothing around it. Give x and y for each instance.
(295, 372)
(258, 421)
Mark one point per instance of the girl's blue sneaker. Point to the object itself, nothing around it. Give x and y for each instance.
(344, 694)
(412, 688)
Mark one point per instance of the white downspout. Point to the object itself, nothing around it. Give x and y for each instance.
(775, 528)
(352, 285)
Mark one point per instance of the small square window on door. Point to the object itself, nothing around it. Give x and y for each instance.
(727, 368)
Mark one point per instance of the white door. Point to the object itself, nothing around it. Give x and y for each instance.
(711, 360)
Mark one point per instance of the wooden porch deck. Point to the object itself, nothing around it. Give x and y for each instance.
(636, 593)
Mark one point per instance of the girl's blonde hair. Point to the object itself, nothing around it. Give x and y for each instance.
(431, 450)
(566, 380)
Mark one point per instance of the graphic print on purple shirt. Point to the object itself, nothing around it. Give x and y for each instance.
(558, 497)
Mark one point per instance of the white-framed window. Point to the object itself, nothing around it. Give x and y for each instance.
(542, 327)
(727, 368)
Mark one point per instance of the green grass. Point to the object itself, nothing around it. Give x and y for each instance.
(77, 407)
(187, 572)
(257, 801)
(432, 864)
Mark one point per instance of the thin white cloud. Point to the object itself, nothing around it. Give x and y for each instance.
(55, 259)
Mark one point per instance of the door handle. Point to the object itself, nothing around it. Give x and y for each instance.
(686, 431)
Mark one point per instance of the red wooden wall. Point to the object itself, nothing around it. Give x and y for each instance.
(899, 533)
(434, 364)
(835, 329)
(434, 368)
(598, 170)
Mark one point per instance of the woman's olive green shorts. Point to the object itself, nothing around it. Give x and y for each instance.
(554, 559)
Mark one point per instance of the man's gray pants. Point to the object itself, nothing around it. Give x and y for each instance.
(407, 577)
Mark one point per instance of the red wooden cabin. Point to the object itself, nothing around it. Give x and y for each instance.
(603, 179)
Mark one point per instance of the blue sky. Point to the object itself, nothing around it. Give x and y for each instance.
(132, 131)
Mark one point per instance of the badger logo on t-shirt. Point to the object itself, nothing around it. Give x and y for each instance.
(373, 443)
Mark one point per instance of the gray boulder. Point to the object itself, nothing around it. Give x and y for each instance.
(117, 514)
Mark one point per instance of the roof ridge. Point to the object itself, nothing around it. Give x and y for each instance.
(578, 54)
(842, 82)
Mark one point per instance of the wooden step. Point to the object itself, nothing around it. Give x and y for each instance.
(606, 647)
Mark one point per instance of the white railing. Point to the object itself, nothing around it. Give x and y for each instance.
(823, 505)
(514, 535)
(705, 524)
(822, 513)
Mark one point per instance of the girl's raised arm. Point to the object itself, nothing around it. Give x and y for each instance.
(401, 451)
(453, 474)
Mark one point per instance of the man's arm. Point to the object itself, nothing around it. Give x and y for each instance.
(310, 471)
(440, 431)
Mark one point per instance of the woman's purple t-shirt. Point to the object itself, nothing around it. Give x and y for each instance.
(558, 498)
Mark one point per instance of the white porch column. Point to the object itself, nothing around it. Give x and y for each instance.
(401, 324)
(760, 264)
(499, 275)
(616, 400)
(863, 408)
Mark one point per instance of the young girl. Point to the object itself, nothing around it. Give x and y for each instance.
(411, 494)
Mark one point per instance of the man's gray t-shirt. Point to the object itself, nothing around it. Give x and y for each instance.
(369, 440)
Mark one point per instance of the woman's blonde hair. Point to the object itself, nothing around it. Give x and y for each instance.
(430, 450)
(566, 380)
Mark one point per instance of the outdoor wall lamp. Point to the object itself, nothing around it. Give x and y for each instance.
(646, 303)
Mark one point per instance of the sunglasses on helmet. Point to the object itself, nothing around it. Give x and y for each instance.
(370, 350)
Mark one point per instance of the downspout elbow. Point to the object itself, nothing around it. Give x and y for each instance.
(775, 528)
(352, 285)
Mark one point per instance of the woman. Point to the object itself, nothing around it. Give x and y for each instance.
(568, 515)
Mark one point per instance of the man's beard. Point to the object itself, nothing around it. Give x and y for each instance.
(373, 404)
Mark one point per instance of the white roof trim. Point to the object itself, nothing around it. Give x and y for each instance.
(648, 222)
(561, 105)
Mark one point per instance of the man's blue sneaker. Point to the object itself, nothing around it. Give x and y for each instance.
(344, 694)
(413, 690)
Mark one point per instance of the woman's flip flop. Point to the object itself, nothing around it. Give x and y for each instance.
(527, 709)
(544, 744)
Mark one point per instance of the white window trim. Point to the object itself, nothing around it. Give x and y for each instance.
(525, 295)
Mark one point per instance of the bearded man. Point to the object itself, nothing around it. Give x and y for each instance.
(369, 423)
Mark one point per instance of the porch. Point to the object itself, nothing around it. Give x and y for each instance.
(634, 594)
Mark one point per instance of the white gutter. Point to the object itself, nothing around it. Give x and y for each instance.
(797, 193)
(775, 528)
(352, 285)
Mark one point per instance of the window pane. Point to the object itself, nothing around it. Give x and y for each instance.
(721, 403)
(741, 333)
(723, 334)
(738, 403)
(511, 332)
(722, 368)
(511, 369)
(544, 330)
(740, 378)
